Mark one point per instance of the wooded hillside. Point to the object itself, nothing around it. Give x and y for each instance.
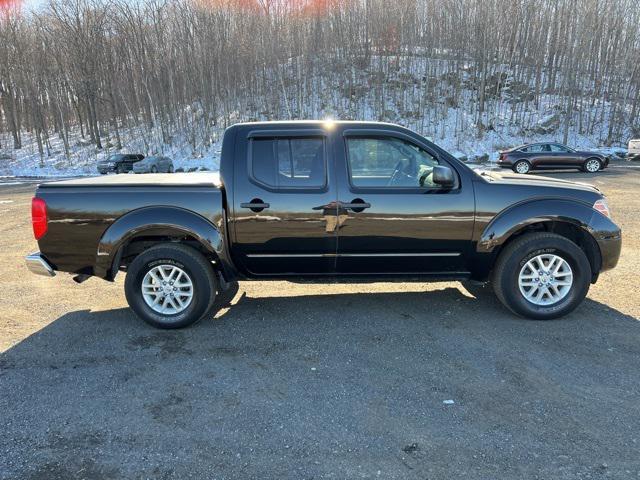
(444, 67)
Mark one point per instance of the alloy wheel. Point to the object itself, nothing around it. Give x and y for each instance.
(592, 165)
(545, 279)
(522, 167)
(167, 289)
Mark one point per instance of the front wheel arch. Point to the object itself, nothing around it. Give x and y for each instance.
(570, 231)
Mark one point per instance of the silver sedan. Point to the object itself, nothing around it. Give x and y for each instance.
(154, 164)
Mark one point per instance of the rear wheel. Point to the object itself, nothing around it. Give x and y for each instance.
(522, 166)
(542, 276)
(170, 286)
(592, 165)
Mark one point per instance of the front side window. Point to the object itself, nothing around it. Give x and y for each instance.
(559, 148)
(389, 162)
(288, 162)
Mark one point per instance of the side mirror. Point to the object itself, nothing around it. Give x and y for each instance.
(443, 176)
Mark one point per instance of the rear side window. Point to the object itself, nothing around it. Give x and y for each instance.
(288, 162)
(539, 148)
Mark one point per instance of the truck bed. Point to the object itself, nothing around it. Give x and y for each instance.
(81, 210)
(194, 179)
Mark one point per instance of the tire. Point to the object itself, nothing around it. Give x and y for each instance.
(120, 169)
(170, 169)
(154, 169)
(514, 260)
(522, 167)
(196, 269)
(589, 165)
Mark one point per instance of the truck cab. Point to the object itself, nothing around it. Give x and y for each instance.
(345, 199)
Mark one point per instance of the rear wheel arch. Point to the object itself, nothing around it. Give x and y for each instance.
(143, 228)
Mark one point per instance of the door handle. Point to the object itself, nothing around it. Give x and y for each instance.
(255, 205)
(357, 205)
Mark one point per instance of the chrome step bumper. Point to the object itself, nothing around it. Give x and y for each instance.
(38, 265)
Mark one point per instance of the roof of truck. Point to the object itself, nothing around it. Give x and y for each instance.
(210, 179)
(322, 123)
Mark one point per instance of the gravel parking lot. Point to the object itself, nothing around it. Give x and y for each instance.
(368, 380)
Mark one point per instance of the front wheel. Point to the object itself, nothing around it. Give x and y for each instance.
(592, 165)
(170, 286)
(542, 276)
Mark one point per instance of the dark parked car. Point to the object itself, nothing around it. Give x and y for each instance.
(524, 158)
(326, 200)
(119, 163)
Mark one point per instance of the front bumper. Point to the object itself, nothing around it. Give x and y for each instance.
(37, 264)
(608, 236)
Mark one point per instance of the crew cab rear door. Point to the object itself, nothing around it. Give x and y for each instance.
(284, 206)
(392, 218)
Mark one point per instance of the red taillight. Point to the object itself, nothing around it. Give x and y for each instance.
(38, 217)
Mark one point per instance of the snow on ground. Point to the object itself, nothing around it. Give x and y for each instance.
(26, 162)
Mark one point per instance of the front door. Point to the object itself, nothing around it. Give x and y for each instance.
(562, 156)
(284, 206)
(392, 218)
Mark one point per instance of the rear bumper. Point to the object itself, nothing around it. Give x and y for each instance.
(37, 264)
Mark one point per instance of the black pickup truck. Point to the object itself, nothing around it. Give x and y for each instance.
(325, 200)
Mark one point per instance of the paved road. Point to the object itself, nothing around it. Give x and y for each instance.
(382, 380)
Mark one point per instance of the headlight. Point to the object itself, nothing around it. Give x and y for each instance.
(602, 207)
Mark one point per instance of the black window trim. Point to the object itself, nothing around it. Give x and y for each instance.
(281, 135)
(380, 133)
